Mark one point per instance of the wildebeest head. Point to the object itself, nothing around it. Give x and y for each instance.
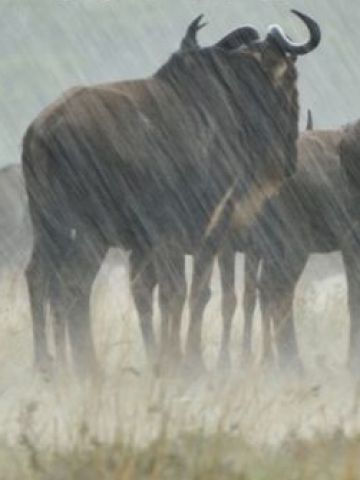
(264, 69)
(276, 53)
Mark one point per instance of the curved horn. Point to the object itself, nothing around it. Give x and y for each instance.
(277, 34)
(238, 37)
(190, 40)
(309, 123)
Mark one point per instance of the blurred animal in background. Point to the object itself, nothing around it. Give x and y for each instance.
(155, 166)
(15, 226)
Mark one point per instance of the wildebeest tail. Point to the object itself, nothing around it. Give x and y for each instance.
(47, 208)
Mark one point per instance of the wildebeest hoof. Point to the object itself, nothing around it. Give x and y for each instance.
(193, 366)
(44, 366)
(168, 368)
(246, 359)
(224, 363)
(292, 367)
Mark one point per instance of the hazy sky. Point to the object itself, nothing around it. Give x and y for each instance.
(47, 46)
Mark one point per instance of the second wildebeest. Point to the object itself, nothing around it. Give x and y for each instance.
(315, 211)
(311, 214)
(154, 166)
(246, 241)
(350, 162)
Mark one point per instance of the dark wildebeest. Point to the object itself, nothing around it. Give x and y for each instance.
(154, 166)
(246, 241)
(241, 36)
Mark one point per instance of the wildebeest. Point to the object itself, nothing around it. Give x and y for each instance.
(311, 214)
(250, 242)
(154, 166)
(349, 157)
(315, 211)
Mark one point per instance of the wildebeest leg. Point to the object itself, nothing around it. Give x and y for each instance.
(77, 273)
(170, 267)
(59, 321)
(252, 261)
(284, 283)
(226, 262)
(351, 258)
(37, 274)
(199, 297)
(266, 299)
(143, 281)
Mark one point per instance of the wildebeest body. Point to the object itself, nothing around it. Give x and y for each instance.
(161, 136)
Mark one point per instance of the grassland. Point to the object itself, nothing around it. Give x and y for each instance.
(192, 456)
(248, 424)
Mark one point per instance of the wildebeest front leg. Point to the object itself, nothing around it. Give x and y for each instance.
(199, 298)
(143, 281)
(228, 301)
(252, 261)
(37, 274)
(267, 301)
(351, 258)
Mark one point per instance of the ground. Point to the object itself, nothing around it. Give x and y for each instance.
(252, 424)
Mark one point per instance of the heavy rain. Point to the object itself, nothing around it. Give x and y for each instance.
(179, 241)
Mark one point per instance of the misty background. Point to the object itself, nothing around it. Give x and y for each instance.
(47, 46)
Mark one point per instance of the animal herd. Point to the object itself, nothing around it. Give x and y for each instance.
(202, 158)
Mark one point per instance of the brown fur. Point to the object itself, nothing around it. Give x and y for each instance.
(143, 165)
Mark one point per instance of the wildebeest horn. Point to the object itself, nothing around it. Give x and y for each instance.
(190, 40)
(277, 34)
(240, 36)
(309, 123)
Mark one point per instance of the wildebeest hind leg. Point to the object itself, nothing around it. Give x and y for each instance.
(76, 277)
(37, 275)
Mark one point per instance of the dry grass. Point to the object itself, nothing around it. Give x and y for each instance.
(252, 424)
(191, 456)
